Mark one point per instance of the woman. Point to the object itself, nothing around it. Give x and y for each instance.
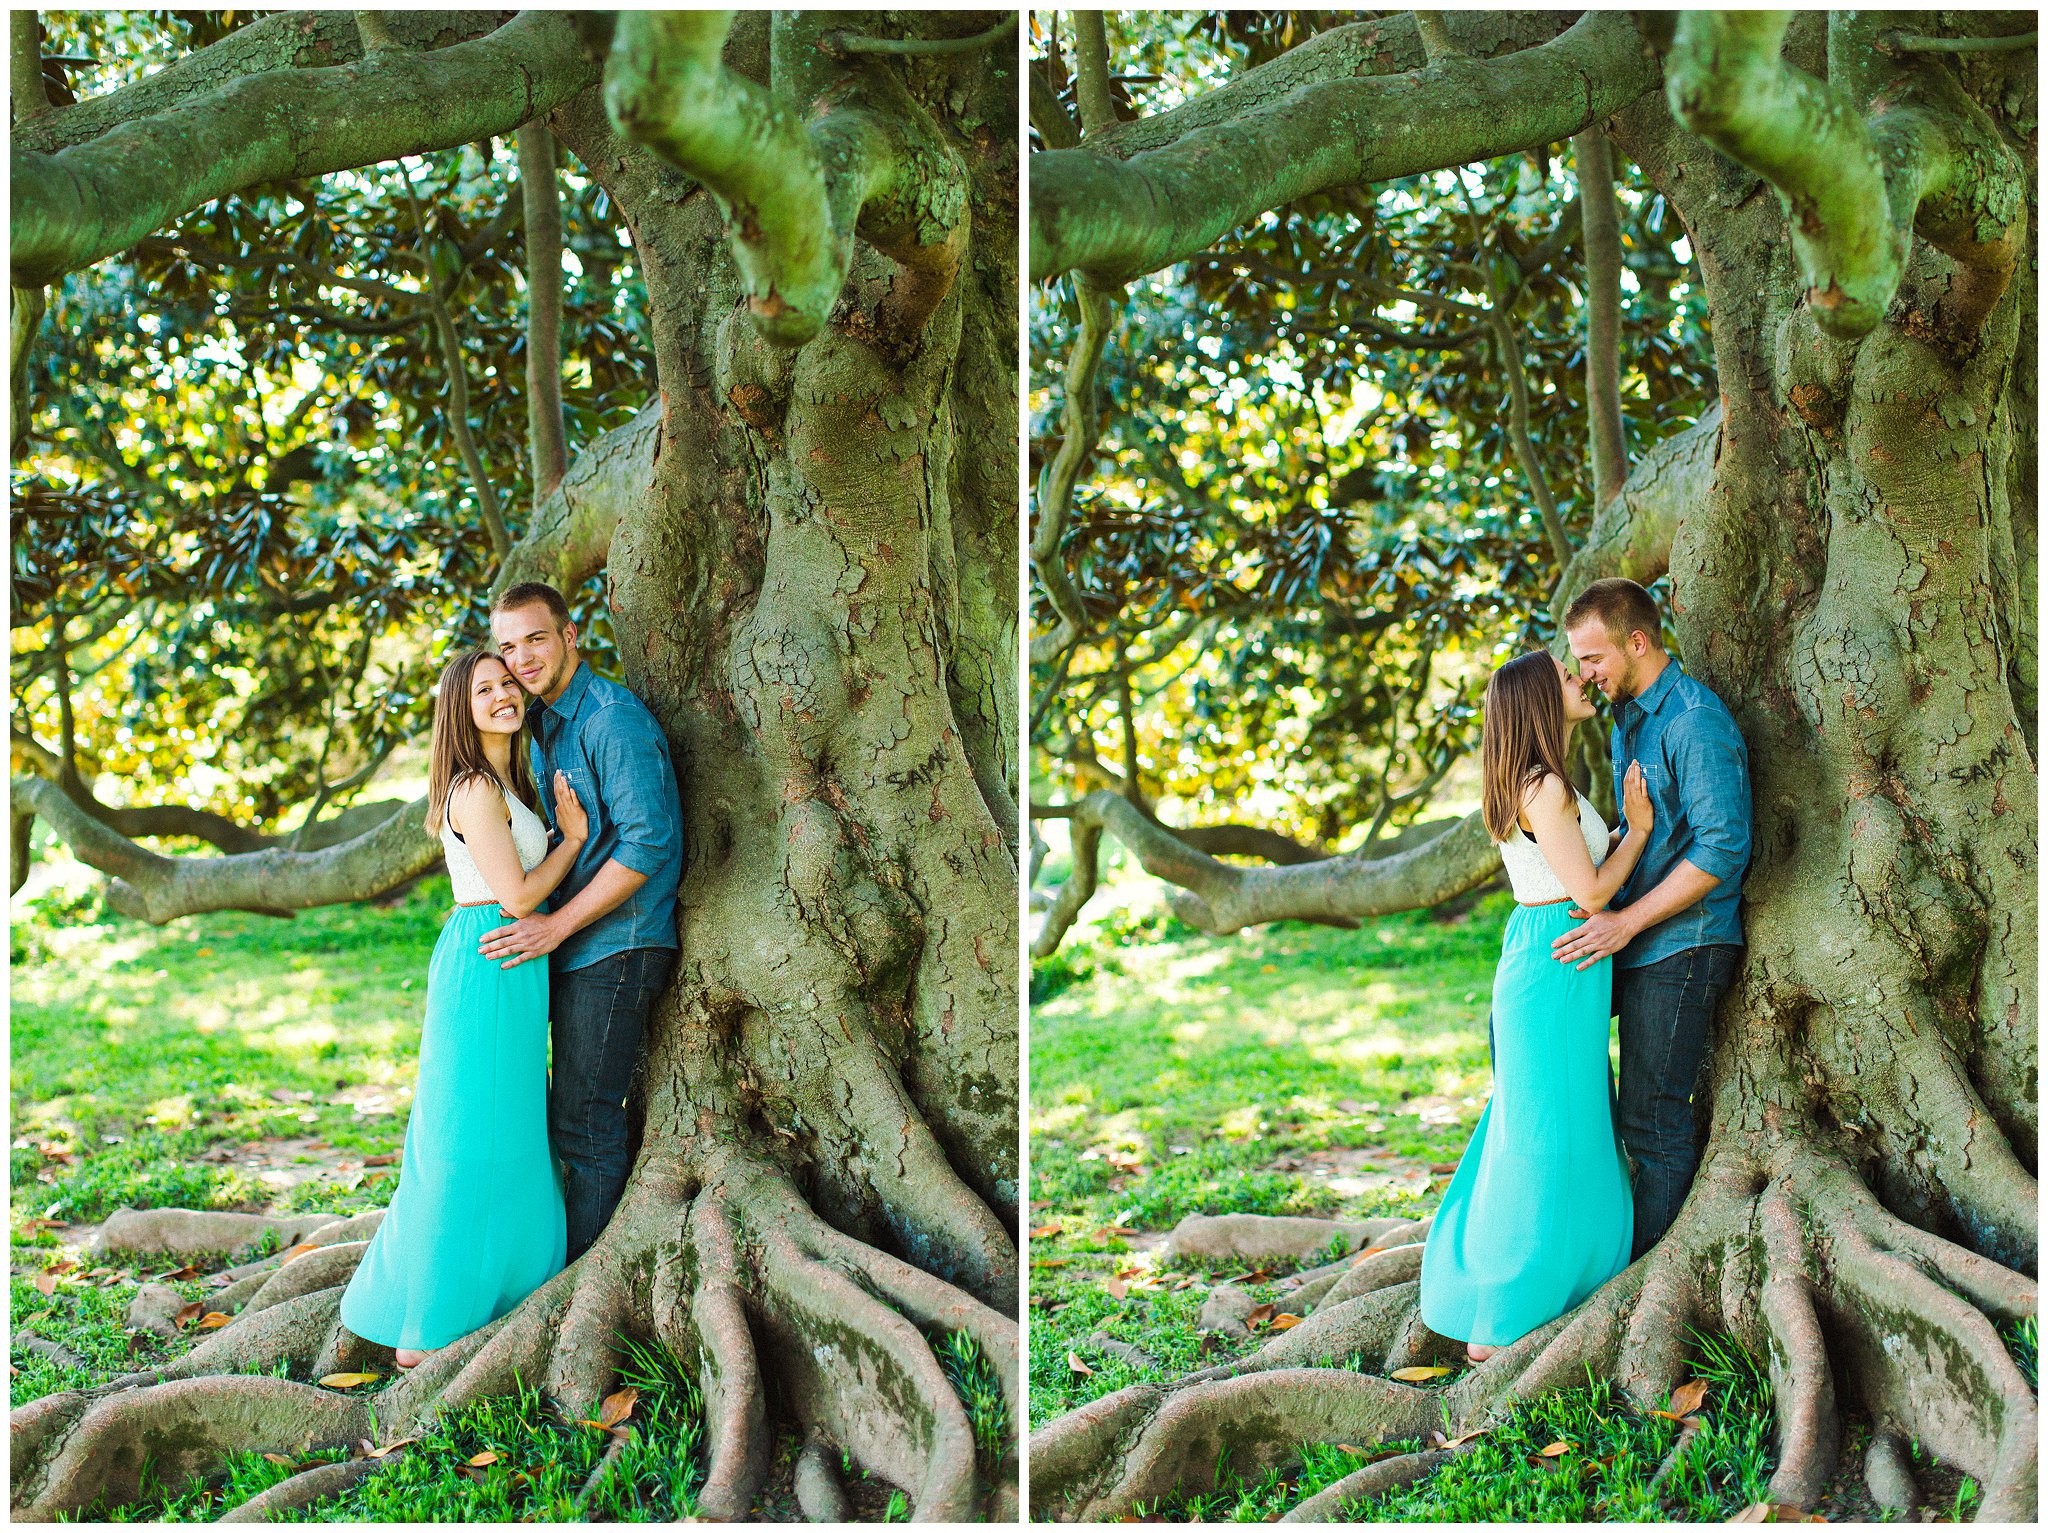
(476, 1223)
(1538, 1215)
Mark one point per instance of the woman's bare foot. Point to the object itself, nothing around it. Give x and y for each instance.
(407, 1358)
(1476, 1353)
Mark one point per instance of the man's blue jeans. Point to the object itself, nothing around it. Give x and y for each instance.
(596, 1016)
(1667, 1015)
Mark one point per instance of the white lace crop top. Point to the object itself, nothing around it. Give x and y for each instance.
(529, 839)
(1529, 872)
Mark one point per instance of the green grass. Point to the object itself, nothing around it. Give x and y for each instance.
(1602, 1474)
(225, 1061)
(1290, 1070)
(1302, 1069)
(542, 1461)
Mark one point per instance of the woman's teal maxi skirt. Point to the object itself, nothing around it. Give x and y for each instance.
(476, 1223)
(1539, 1214)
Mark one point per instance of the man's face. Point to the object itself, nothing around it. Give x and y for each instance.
(534, 649)
(1610, 666)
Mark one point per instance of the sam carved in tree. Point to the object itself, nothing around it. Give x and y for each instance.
(807, 539)
(1848, 539)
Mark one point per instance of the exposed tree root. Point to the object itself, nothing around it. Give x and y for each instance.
(1800, 1262)
(307, 1487)
(736, 1276)
(819, 1494)
(181, 1428)
(1327, 1504)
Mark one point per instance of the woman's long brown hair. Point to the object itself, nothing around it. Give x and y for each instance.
(458, 749)
(1523, 736)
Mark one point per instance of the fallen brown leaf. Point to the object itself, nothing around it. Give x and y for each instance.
(1116, 1288)
(189, 1313)
(1689, 1397)
(214, 1321)
(349, 1380)
(1259, 1316)
(380, 1160)
(1046, 1232)
(1554, 1450)
(1368, 1251)
(483, 1460)
(279, 1458)
(45, 1283)
(296, 1252)
(1284, 1322)
(617, 1407)
(1076, 1365)
(1417, 1375)
(390, 1448)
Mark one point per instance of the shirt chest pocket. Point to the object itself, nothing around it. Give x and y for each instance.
(1663, 788)
(584, 785)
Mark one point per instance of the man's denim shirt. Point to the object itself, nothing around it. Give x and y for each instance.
(607, 743)
(1697, 771)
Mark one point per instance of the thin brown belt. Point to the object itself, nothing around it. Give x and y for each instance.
(1538, 904)
(466, 904)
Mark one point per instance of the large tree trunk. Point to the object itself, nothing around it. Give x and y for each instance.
(1856, 581)
(814, 589)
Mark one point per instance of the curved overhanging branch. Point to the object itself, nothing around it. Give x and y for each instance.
(795, 192)
(1219, 898)
(1631, 534)
(570, 533)
(280, 40)
(1857, 177)
(82, 204)
(151, 887)
(1120, 219)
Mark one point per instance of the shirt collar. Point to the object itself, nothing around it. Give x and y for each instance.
(564, 708)
(1652, 698)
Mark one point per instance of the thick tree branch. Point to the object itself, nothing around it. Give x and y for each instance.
(1631, 535)
(795, 192)
(541, 198)
(1081, 424)
(154, 888)
(1855, 188)
(280, 40)
(570, 533)
(79, 205)
(1595, 160)
(1220, 898)
(1119, 220)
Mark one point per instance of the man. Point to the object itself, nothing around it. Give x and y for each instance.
(611, 927)
(1674, 930)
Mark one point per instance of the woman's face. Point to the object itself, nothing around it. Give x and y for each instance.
(496, 701)
(1576, 708)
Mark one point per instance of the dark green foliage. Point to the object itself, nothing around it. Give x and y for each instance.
(1305, 522)
(240, 506)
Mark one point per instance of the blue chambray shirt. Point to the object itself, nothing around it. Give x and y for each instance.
(1697, 770)
(615, 756)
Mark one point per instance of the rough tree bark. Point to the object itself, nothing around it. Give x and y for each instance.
(1849, 541)
(810, 543)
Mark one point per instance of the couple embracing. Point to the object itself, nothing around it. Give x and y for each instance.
(1639, 921)
(511, 1170)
